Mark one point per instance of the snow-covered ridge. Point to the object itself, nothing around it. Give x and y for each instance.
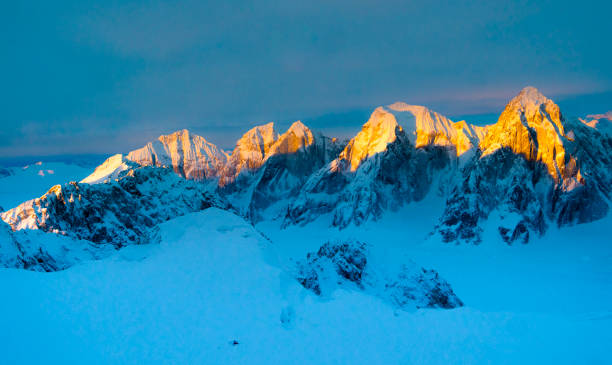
(378, 170)
(426, 127)
(189, 155)
(109, 170)
(241, 290)
(193, 157)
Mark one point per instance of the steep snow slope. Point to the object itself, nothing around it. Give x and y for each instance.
(189, 155)
(109, 170)
(375, 135)
(24, 183)
(297, 138)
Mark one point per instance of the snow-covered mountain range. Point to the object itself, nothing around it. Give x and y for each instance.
(532, 169)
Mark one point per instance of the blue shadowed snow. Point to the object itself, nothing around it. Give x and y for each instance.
(214, 280)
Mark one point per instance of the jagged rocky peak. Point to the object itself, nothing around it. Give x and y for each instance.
(194, 158)
(535, 169)
(426, 127)
(532, 125)
(380, 130)
(286, 166)
(296, 138)
(379, 169)
(530, 101)
(261, 142)
(189, 155)
(251, 149)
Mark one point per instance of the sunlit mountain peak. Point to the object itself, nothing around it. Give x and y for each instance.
(297, 137)
(532, 125)
(380, 130)
(426, 127)
(250, 151)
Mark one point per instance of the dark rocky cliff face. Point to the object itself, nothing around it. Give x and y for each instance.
(503, 181)
(117, 213)
(385, 181)
(512, 184)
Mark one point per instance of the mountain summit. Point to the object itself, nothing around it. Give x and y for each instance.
(375, 135)
(189, 155)
(250, 152)
(532, 125)
(535, 166)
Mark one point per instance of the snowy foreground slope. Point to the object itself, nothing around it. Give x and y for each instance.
(213, 291)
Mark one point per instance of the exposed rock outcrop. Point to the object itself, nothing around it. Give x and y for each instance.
(346, 264)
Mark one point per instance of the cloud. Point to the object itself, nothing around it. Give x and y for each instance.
(104, 71)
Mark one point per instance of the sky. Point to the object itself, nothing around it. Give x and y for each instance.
(81, 77)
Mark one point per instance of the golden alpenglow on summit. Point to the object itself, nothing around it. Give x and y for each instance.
(373, 138)
(201, 182)
(533, 126)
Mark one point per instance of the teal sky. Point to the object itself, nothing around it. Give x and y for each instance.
(103, 77)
